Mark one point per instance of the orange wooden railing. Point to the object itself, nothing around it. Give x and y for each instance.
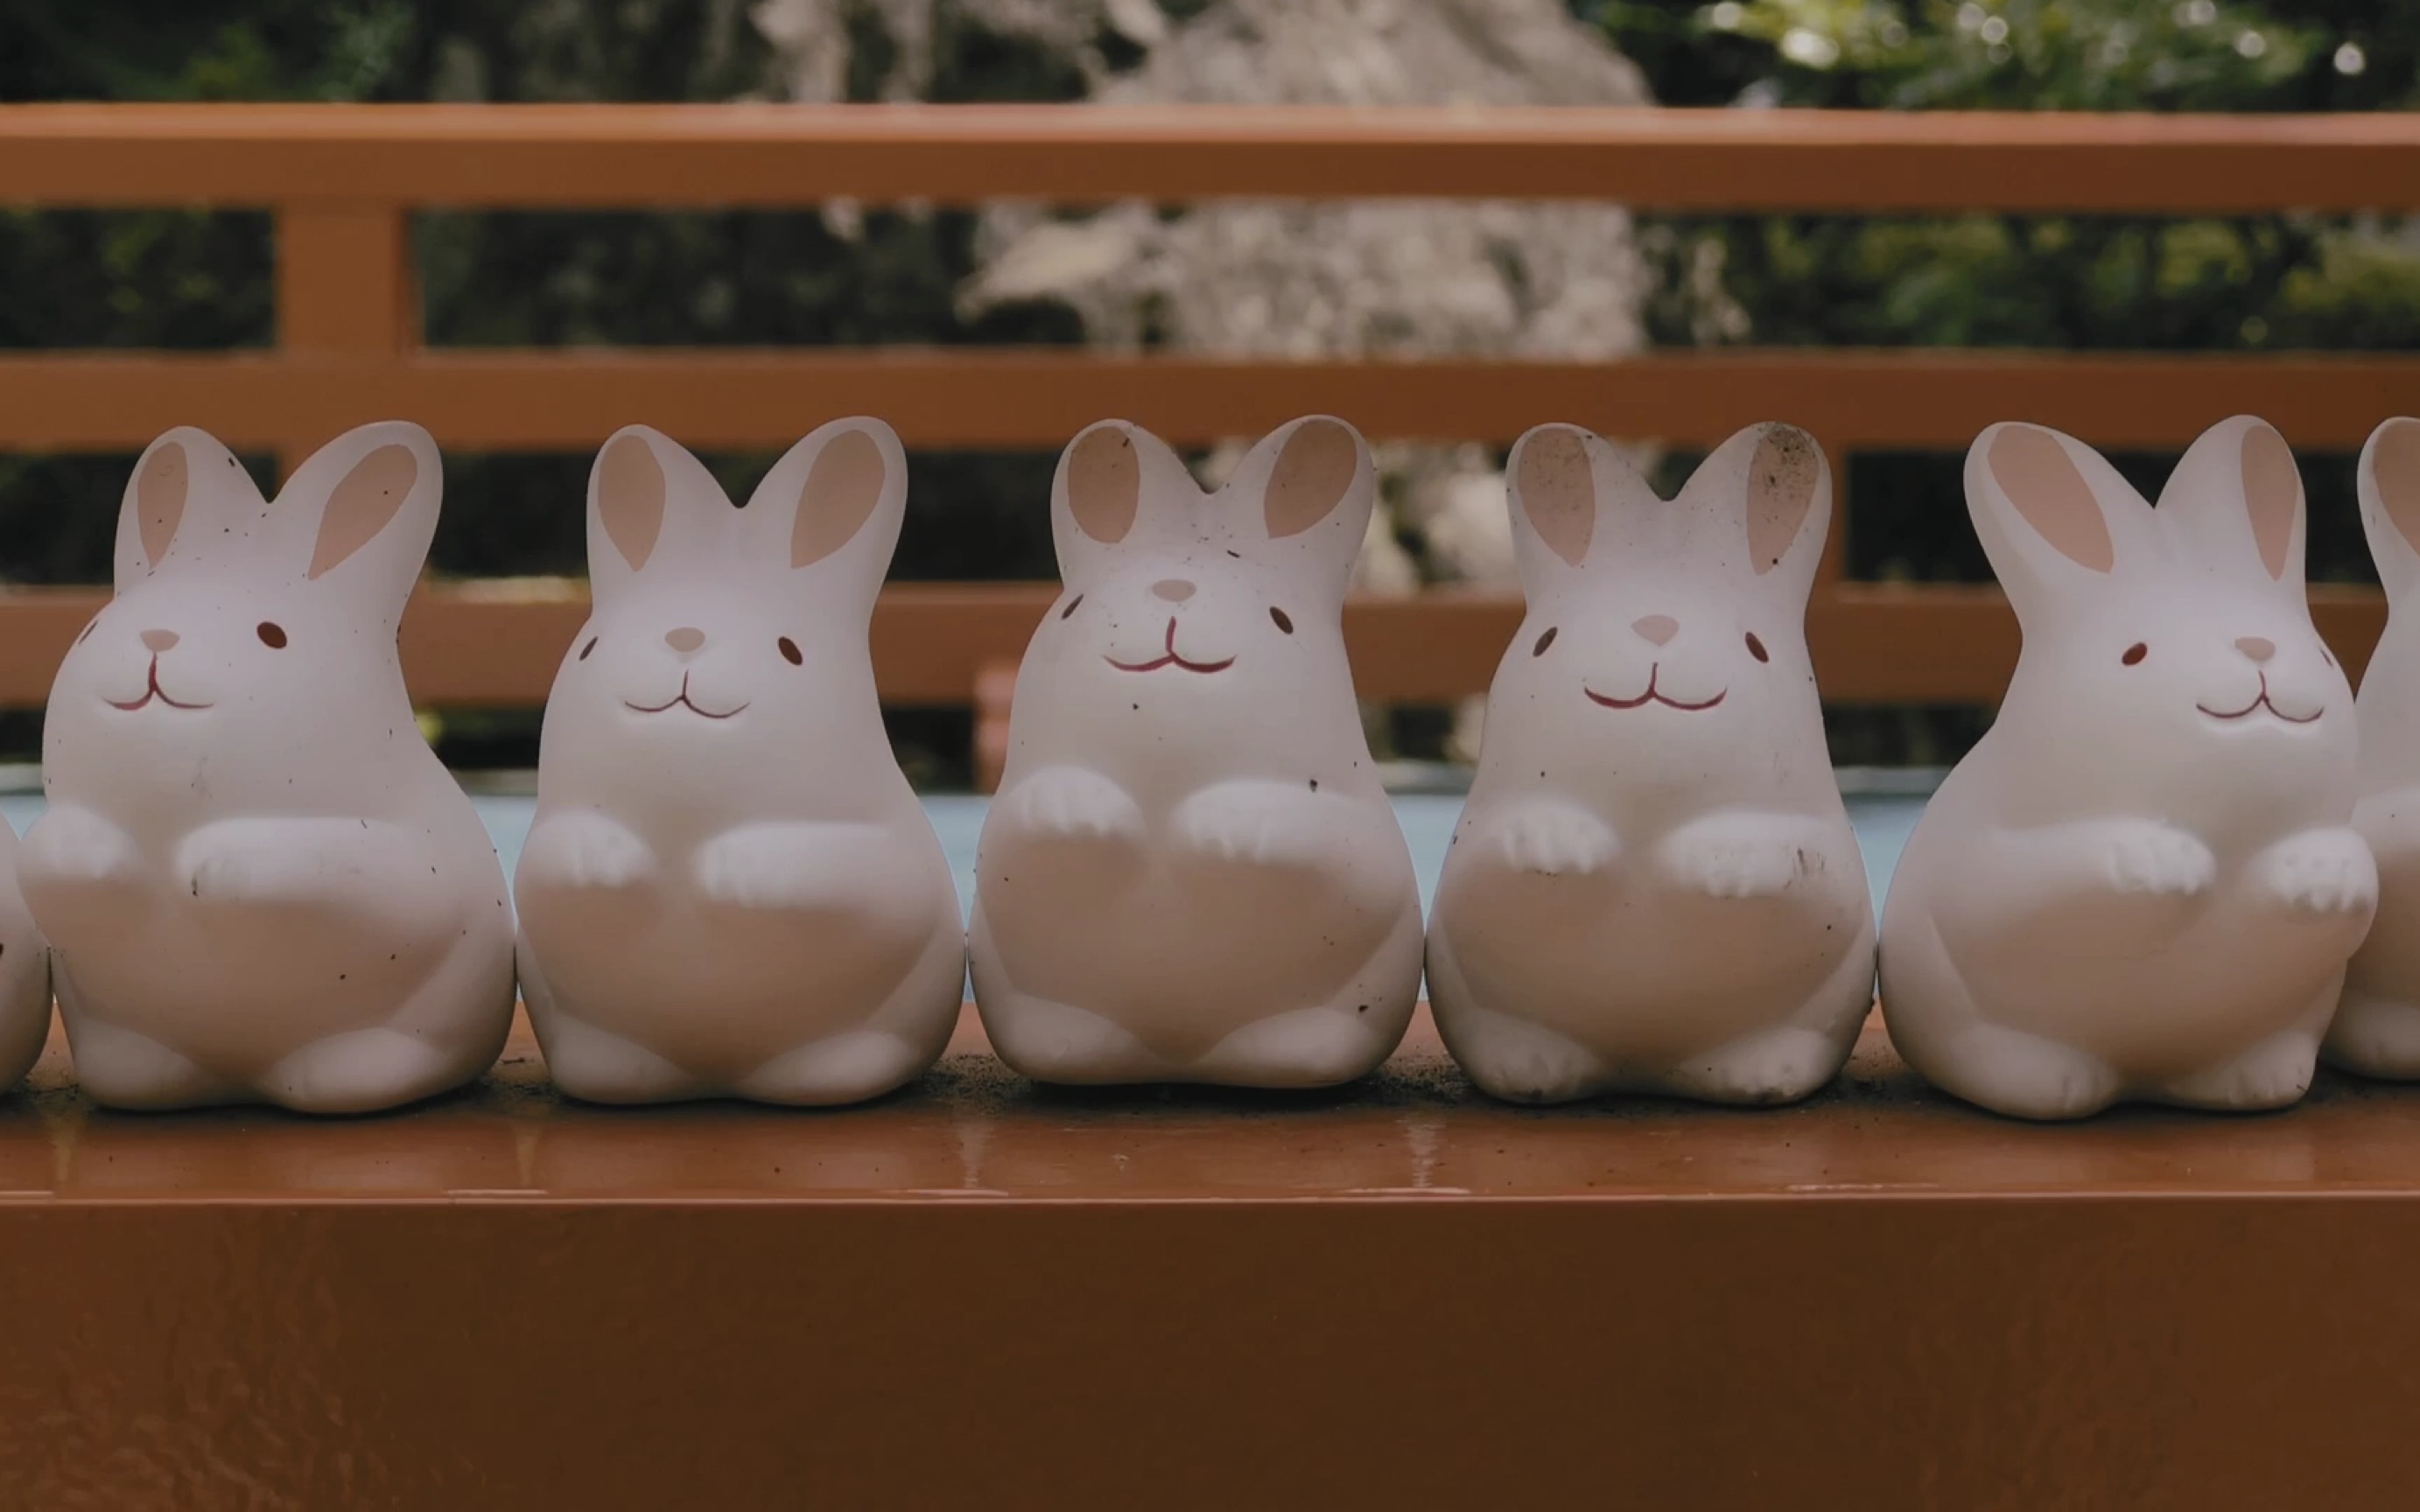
(343, 181)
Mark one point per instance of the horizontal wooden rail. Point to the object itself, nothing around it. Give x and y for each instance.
(1700, 160)
(1022, 398)
(467, 645)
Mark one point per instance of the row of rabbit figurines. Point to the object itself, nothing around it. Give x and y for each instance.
(2153, 879)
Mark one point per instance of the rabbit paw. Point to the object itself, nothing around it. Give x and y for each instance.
(583, 848)
(1260, 823)
(1739, 855)
(1554, 839)
(2323, 872)
(1074, 802)
(70, 843)
(773, 865)
(2158, 860)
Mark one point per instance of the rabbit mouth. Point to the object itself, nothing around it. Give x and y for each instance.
(1651, 696)
(2257, 705)
(152, 694)
(681, 701)
(1170, 660)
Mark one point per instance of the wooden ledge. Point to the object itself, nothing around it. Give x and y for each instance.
(984, 1293)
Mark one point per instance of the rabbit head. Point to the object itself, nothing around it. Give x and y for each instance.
(1670, 630)
(266, 627)
(720, 633)
(2168, 653)
(1212, 610)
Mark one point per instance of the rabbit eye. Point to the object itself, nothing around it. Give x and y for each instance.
(1071, 606)
(273, 634)
(790, 651)
(1756, 648)
(589, 647)
(2135, 653)
(1543, 641)
(1280, 615)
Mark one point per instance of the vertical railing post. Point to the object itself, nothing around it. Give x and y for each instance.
(344, 289)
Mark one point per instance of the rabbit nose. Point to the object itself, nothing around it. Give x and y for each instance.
(684, 640)
(1657, 628)
(1175, 590)
(2257, 648)
(159, 641)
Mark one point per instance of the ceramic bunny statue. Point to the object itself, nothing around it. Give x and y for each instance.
(1190, 872)
(2376, 1028)
(24, 974)
(729, 888)
(2144, 881)
(259, 882)
(1654, 885)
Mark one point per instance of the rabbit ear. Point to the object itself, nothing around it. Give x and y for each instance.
(362, 510)
(2235, 502)
(648, 498)
(1113, 477)
(186, 494)
(839, 497)
(1310, 482)
(2389, 486)
(2055, 517)
(1770, 490)
(1574, 499)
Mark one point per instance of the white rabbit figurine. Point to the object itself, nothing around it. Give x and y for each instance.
(1653, 886)
(2376, 1028)
(729, 888)
(2144, 881)
(258, 880)
(1191, 872)
(24, 974)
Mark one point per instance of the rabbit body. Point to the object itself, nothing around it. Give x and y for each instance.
(258, 880)
(1654, 885)
(2377, 1027)
(1191, 872)
(729, 887)
(2143, 883)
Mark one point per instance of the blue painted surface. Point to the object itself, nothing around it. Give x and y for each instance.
(1883, 822)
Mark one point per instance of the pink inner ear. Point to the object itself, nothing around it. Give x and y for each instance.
(1558, 493)
(1312, 477)
(630, 498)
(1780, 490)
(160, 500)
(1105, 485)
(2272, 495)
(842, 489)
(2394, 468)
(363, 503)
(2041, 481)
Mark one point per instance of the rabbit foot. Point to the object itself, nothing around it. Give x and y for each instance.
(1522, 1062)
(2025, 1075)
(119, 1068)
(2376, 1037)
(1777, 1066)
(2325, 871)
(845, 1068)
(1741, 856)
(588, 1063)
(364, 1070)
(1552, 838)
(1300, 1047)
(1060, 1043)
(2272, 1075)
(1073, 803)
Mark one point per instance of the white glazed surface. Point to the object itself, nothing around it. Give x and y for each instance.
(2143, 883)
(1654, 886)
(259, 882)
(1191, 872)
(2377, 1027)
(729, 887)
